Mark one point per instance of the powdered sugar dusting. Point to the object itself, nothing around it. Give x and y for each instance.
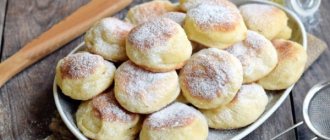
(210, 16)
(189, 4)
(259, 15)
(247, 51)
(153, 34)
(142, 84)
(255, 40)
(80, 65)
(150, 10)
(176, 16)
(173, 116)
(208, 72)
(108, 31)
(245, 89)
(249, 93)
(106, 107)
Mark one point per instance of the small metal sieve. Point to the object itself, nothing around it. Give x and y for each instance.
(316, 111)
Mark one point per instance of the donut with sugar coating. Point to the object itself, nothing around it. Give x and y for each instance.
(141, 91)
(82, 76)
(159, 45)
(267, 20)
(292, 58)
(102, 118)
(175, 122)
(216, 26)
(257, 55)
(107, 38)
(147, 11)
(249, 103)
(211, 78)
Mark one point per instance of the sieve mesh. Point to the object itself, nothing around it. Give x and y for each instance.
(319, 111)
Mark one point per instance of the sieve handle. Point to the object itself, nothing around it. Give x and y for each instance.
(287, 130)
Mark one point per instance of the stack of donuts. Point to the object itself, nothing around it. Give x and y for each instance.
(172, 71)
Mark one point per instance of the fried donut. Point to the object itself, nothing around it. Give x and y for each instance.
(102, 118)
(175, 122)
(267, 20)
(160, 45)
(257, 55)
(149, 10)
(215, 26)
(249, 103)
(82, 76)
(292, 59)
(141, 91)
(107, 38)
(211, 78)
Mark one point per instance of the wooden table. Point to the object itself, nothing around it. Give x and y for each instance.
(26, 101)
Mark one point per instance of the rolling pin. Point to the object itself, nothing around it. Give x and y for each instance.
(60, 34)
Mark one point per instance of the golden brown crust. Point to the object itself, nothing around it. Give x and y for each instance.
(148, 11)
(152, 34)
(142, 91)
(267, 20)
(285, 47)
(202, 67)
(211, 78)
(178, 66)
(107, 108)
(80, 65)
(189, 4)
(175, 115)
(215, 17)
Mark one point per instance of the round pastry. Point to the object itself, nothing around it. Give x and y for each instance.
(257, 55)
(249, 103)
(292, 59)
(215, 26)
(175, 122)
(107, 38)
(185, 5)
(159, 45)
(141, 91)
(211, 78)
(176, 16)
(82, 76)
(149, 10)
(102, 118)
(267, 20)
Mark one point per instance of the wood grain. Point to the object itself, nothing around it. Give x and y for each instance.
(318, 72)
(60, 34)
(26, 102)
(3, 4)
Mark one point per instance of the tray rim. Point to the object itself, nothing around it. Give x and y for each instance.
(242, 134)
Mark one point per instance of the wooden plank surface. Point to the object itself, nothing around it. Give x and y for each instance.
(3, 4)
(26, 102)
(318, 72)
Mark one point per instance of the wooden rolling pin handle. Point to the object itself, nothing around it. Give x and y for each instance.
(60, 34)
